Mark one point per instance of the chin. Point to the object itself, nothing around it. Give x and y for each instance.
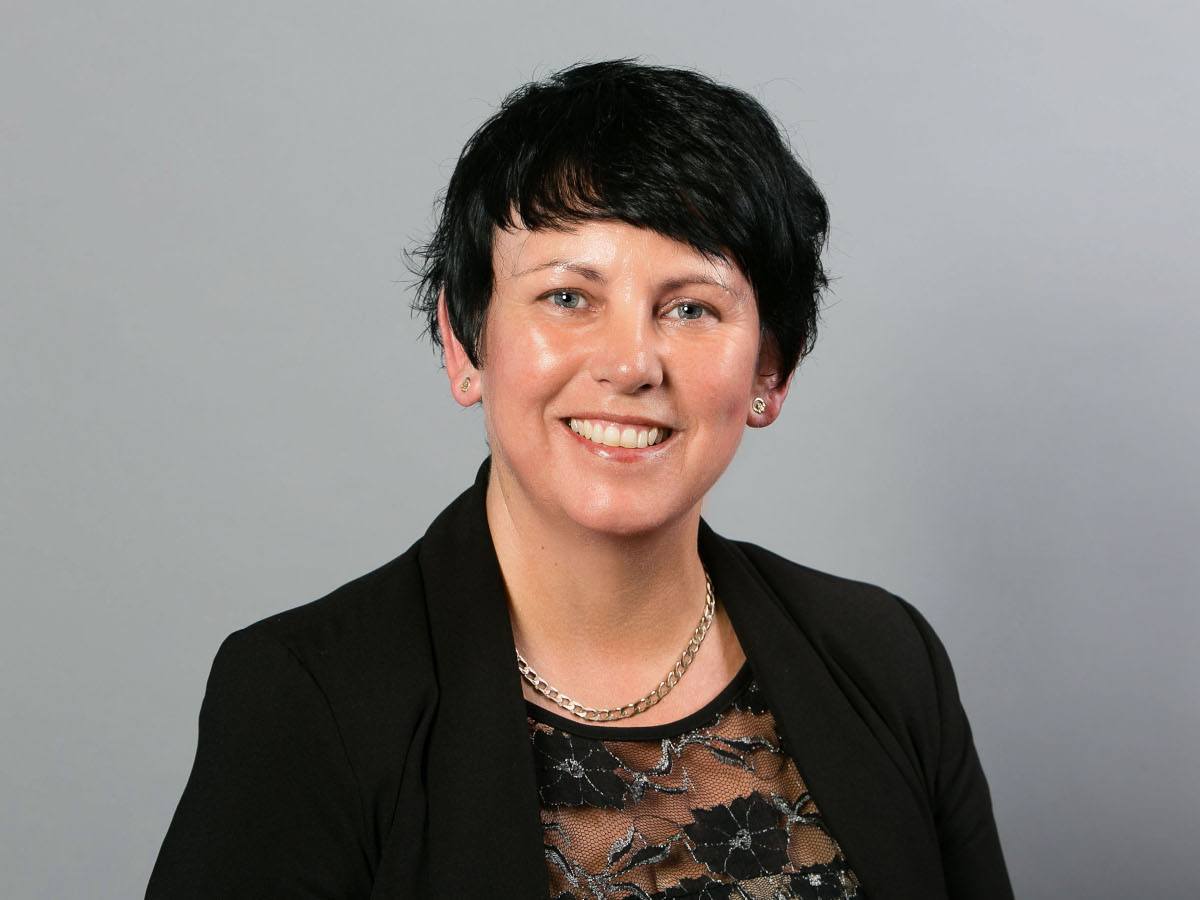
(620, 519)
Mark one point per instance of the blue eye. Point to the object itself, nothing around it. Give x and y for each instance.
(698, 308)
(554, 295)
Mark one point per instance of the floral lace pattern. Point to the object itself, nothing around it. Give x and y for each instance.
(710, 807)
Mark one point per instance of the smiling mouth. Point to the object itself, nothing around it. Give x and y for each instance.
(615, 434)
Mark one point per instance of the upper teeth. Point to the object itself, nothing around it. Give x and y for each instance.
(619, 435)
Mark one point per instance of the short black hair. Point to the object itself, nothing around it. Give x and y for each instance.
(662, 148)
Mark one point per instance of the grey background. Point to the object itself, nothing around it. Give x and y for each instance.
(216, 405)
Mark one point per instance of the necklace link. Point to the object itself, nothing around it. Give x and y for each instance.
(643, 703)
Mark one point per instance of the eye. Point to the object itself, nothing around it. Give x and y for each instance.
(554, 297)
(693, 310)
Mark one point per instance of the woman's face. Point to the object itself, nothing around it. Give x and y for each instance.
(625, 330)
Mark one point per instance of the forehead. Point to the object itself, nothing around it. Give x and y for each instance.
(610, 249)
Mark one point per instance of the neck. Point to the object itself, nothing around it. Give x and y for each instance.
(589, 606)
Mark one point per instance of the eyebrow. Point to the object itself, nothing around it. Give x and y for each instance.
(578, 268)
(591, 274)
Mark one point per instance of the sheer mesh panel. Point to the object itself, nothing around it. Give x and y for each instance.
(710, 807)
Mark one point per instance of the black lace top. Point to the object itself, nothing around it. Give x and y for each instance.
(710, 806)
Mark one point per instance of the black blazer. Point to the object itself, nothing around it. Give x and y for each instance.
(340, 742)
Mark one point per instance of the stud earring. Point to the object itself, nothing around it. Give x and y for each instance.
(466, 383)
(759, 405)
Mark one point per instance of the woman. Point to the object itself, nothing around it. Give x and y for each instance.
(625, 275)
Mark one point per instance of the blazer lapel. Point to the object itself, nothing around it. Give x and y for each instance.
(868, 805)
(485, 832)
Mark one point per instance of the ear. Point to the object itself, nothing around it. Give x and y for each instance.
(458, 364)
(768, 385)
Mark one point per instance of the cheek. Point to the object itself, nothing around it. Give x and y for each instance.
(721, 379)
(525, 362)
(543, 351)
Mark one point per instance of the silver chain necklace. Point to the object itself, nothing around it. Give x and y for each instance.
(642, 704)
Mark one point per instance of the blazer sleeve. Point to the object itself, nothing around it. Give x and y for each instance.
(271, 808)
(972, 860)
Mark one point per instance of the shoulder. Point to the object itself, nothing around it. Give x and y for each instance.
(358, 657)
(375, 620)
(304, 739)
(867, 633)
(840, 608)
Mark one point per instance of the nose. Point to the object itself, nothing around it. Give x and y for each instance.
(626, 354)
